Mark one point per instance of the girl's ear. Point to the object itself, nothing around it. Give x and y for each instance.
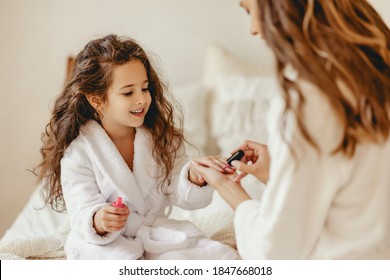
(94, 100)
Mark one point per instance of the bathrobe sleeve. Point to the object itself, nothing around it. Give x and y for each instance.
(185, 194)
(287, 222)
(82, 195)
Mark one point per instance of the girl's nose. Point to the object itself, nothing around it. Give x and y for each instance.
(140, 97)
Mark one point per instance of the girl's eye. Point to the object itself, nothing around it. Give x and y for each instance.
(128, 93)
(145, 89)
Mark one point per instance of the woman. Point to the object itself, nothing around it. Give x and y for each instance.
(326, 166)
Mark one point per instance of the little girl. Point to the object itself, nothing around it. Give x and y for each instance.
(112, 134)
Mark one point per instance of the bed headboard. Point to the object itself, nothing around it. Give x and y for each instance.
(69, 67)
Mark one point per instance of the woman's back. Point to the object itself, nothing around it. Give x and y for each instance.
(358, 223)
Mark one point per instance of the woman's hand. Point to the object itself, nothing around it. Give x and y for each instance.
(218, 163)
(256, 161)
(110, 219)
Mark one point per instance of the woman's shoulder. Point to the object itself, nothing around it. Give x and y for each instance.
(319, 117)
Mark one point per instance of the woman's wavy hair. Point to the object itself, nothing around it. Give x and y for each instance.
(328, 41)
(92, 74)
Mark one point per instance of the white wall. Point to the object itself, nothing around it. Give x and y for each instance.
(38, 35)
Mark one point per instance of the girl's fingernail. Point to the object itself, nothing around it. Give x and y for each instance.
(226, 166)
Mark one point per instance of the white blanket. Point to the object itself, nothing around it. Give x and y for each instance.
(159, 242)
(40, 247)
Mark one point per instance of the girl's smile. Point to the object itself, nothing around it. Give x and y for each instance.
(138, 113)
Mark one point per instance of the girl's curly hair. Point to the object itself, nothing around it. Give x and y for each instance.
(92, 74)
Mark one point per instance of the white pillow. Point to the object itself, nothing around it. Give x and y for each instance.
(231, 85)
(34, 221)
(192, 98)
(240, 110)
(220, 62)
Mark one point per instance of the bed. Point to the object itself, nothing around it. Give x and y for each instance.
(228, 84)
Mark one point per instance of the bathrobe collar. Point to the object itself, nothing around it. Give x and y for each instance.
(108, 160)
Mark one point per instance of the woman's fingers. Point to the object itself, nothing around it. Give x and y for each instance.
(243, 168)
(239, 177)
(251, 148)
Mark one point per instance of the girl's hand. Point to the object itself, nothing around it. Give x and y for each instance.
(232, 192)
(218, 163)
(110, 219)
(256, 161)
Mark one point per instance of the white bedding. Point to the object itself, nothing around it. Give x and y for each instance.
(34, 221)
(37, 233)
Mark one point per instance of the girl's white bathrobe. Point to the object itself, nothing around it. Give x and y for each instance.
(93, 174)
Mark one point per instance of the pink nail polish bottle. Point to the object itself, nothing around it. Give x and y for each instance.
(118, 203)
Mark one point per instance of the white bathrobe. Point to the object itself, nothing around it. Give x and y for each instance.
(93, 174)
(326, 207)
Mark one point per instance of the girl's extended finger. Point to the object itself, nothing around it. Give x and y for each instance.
(198, 167)
(211, 162)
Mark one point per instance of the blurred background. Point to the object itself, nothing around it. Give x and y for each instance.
(38, 36)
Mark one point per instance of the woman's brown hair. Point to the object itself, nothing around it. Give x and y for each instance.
(92, 74)
(332, 41)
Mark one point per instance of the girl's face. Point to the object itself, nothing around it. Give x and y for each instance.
(128, 98)
(253, 9)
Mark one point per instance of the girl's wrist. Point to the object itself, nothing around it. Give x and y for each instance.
(99, 230)
(233, 193)
(194, 179)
